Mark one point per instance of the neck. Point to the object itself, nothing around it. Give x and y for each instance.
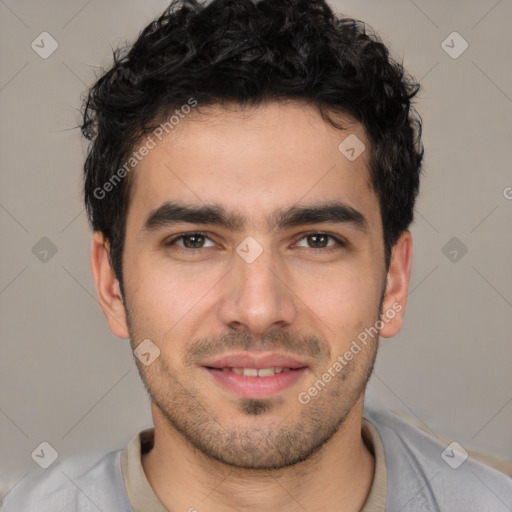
(337, 477)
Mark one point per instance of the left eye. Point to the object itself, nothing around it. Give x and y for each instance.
(319, 241)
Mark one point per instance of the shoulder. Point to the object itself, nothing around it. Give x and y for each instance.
(74, 484)
(425, 474)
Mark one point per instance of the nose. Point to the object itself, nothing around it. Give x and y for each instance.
(256, 297)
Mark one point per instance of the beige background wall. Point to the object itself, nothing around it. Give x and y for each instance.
(66, 380)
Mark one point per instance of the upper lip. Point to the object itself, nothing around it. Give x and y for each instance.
(254, 360)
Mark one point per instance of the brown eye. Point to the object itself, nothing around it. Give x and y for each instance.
(320, 241)
(191, 241)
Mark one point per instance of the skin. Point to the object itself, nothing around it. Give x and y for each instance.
(214, 450)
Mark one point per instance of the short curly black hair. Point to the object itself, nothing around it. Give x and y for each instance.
(248, 52)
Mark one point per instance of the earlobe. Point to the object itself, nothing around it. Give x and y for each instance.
(107, 287)
(397, 286)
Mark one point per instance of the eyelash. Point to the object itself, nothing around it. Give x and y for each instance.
(340, 243)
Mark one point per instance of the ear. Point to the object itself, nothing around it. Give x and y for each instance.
(397, 286)
(107, 287)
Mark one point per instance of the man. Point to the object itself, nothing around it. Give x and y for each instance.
(250, 184)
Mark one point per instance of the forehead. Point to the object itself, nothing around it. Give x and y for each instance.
(255, 162)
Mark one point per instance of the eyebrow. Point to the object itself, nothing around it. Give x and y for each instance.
(213, 214)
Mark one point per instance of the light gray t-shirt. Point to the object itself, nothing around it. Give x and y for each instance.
(414, 473)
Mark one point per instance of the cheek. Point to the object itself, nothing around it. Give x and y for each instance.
(345, 301)
(164, 296)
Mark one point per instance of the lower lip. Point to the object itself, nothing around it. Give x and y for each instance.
(257, 387)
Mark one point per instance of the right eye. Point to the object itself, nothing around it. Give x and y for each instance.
(192, 240)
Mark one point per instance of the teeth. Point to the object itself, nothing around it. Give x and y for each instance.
(255, 372)
(264, 372)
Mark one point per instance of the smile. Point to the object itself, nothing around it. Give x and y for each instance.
(255, 372)
(256, 382)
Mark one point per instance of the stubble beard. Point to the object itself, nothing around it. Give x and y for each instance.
(294, 434)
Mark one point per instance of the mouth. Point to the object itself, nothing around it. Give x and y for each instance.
(256, 372)
(256, 376)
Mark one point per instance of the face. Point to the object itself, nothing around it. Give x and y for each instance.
(253, 259)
